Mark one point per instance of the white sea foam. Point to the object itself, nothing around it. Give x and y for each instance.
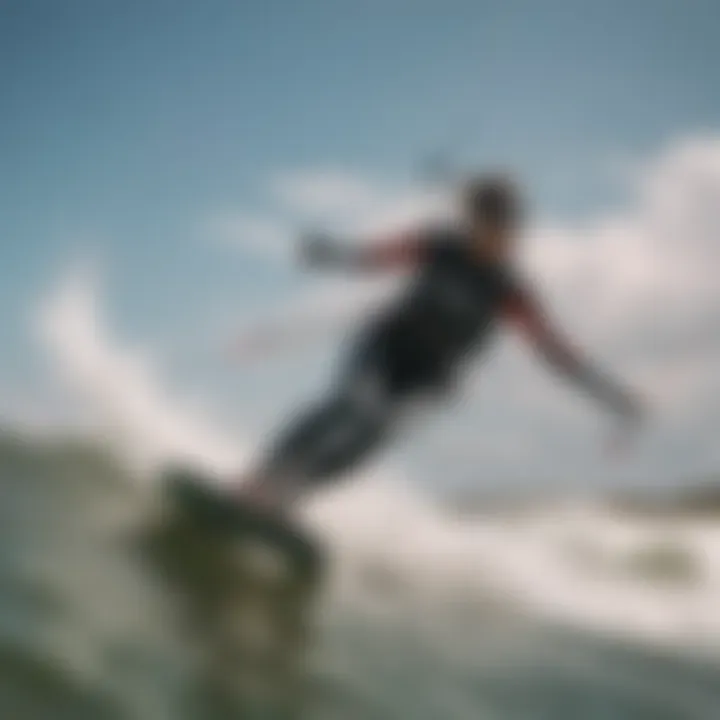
(576, 564)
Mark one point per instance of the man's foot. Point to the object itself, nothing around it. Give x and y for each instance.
(263, 495)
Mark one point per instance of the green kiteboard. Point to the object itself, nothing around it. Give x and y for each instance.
(246, 584)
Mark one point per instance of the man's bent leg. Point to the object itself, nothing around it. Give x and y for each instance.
(329, 440)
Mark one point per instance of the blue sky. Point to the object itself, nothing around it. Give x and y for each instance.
(125, 127)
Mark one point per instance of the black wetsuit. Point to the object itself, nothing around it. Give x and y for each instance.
(447, 315)
(413, 349)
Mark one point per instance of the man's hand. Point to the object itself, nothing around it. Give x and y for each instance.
(317, 250)
(630, 419)
(626, 408)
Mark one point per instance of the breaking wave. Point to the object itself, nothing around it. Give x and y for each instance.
(427, 615)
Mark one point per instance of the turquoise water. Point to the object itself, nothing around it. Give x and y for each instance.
(86, 632)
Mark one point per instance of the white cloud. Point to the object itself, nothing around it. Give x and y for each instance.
(646, 282)
(122, 386)
(322, 193)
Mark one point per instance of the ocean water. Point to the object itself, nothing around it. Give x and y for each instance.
(550, 614)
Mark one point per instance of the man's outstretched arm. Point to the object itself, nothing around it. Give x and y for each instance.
(395, 252)
(526, 313)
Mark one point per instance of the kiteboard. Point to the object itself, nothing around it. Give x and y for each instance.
(246, 583)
